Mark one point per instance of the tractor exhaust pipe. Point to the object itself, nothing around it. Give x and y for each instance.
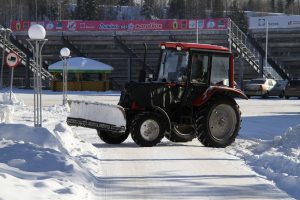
(142, 75)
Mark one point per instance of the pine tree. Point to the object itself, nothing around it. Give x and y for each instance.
(272, 5)
(239, 17)
(177, 9)
(280, 8)
(217, 9)
(126, 3)
(250, 5)
(87, 10)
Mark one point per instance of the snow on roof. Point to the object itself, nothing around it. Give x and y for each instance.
(82, 65)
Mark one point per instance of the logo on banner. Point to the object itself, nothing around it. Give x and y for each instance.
(221, 23)
(71, 25)
(18, 26)
(261, 22)
(175, 25)
(192, 24)
(59, 25)
(210, 24)
(200, 24)
(50, 26)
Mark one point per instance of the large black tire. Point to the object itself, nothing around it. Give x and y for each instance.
(265, 96)
(218, 122)
(147, 129)
(112, 138)
(281, 95)
(177, 136)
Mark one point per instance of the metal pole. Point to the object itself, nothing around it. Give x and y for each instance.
(3, 57)
(34, 83)
(11, 82)
(197, 32)
(229, 35)
(40, 83)
(36, 15)
(129, 67)
(36, 89)
(37, 46)
(65, 80)
(266, 55)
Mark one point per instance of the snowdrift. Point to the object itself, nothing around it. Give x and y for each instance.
(278, 159)
(49, 161)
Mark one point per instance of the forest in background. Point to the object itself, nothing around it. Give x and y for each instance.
(138, 9)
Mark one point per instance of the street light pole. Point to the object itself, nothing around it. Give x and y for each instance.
(266, 53)
(65, 54)
(37, 40)
(3, 56)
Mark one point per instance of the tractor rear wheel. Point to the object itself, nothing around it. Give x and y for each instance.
(112, 138)
(147, 129)
(181, 134)
(218, 123)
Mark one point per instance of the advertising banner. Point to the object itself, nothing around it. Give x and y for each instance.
(292, 21)
(144, 25)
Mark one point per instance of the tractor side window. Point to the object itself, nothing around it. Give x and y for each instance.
(220, 70)
(199, 64)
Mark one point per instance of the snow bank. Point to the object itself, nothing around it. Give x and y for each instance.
(278, 159)
(22, 133)
(6, 113)
(47, 163)
(5, 99)
(7, 108)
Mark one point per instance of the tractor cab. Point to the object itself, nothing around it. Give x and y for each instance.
(196, 64)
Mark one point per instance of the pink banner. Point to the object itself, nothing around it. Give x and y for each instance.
(153, 25)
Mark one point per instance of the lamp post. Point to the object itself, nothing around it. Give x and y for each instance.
(37, 41)
(6, 32)
(65, 54)
(266, 52)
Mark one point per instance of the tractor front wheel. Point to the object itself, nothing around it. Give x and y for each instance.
(112, 138)
(147, 129)
(218, 123)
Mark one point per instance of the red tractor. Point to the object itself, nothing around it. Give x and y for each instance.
(192, 95)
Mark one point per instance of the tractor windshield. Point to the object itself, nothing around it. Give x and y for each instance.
(173, 66)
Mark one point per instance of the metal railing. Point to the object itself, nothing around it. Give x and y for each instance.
(253, 56)
(11, 47)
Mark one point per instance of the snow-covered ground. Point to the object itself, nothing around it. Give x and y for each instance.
(62, 162)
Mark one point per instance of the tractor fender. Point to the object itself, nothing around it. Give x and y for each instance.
(165, 117)
(218, 90)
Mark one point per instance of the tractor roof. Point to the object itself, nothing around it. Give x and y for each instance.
(188, 46)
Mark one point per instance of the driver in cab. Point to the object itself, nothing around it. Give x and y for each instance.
(197, 69)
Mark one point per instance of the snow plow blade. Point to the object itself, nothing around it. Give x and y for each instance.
(104, 117)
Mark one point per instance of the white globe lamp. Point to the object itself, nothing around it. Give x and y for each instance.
(65, 52)
(37, 32)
